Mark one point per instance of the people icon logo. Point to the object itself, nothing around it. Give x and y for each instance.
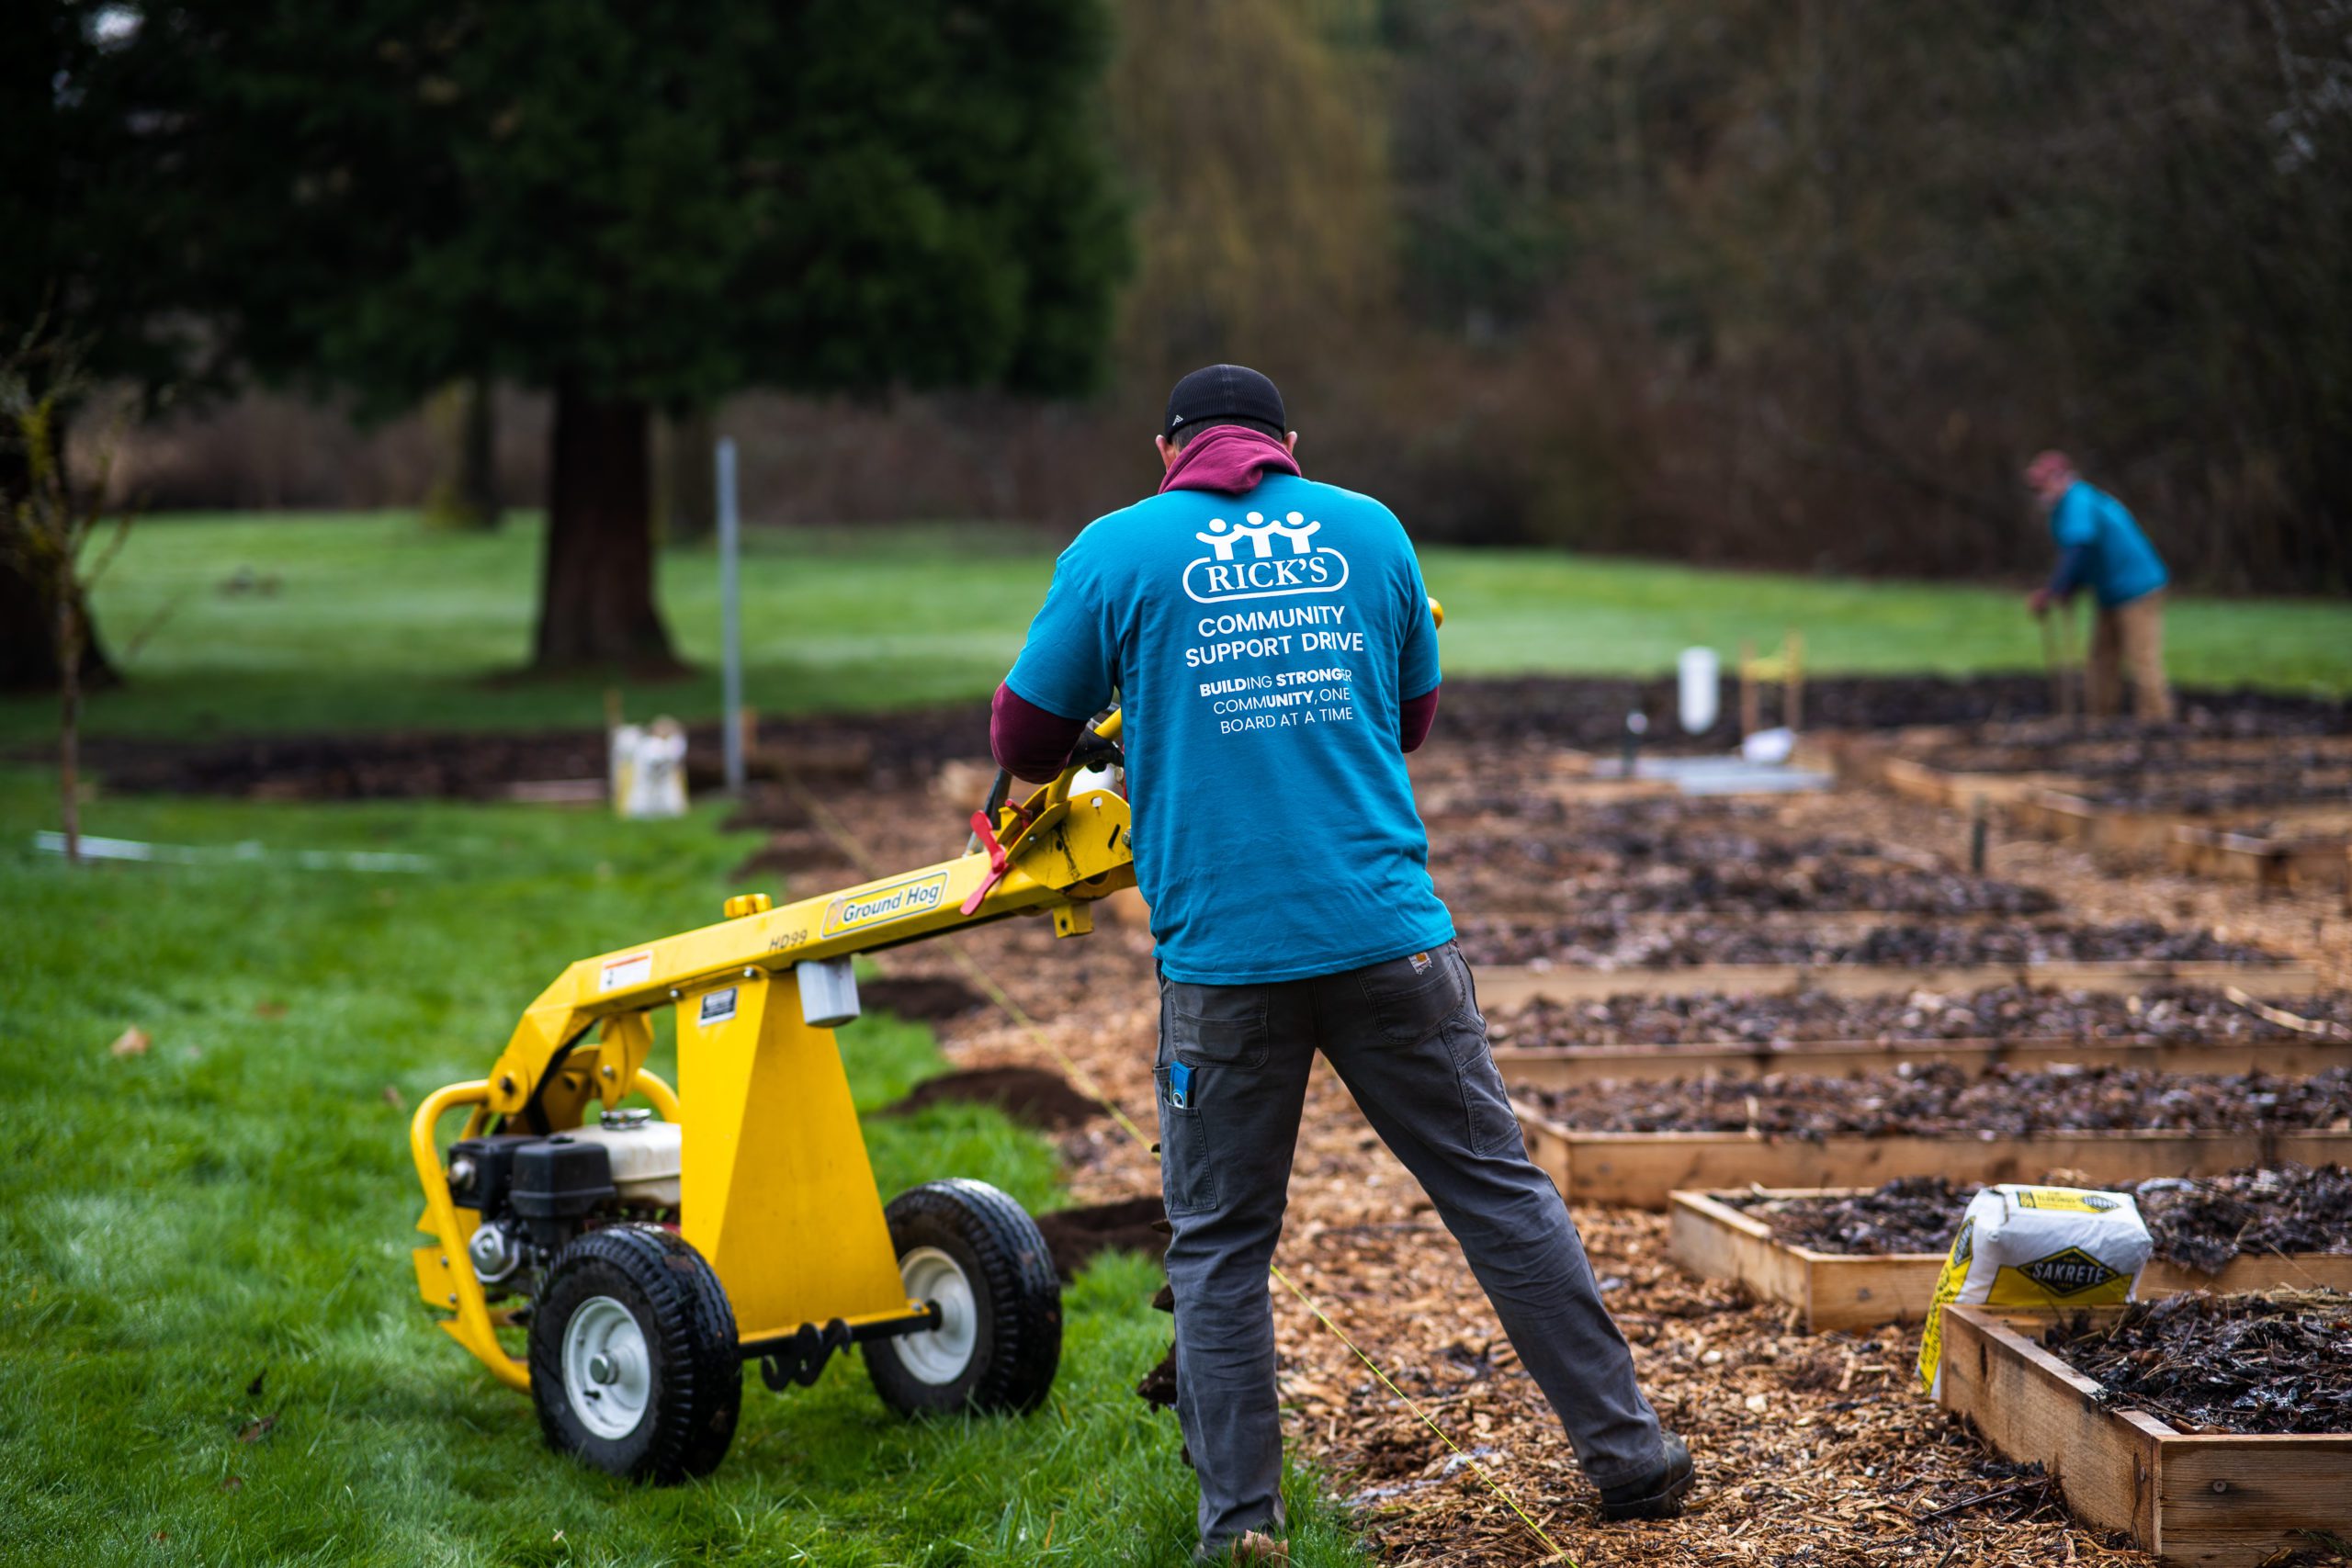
(1309, 567)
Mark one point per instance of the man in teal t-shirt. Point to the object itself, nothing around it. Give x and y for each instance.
(1274, 656)
(2100, 547)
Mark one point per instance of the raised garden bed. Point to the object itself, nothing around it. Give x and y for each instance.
(1636, 1143)
(2277, 856)
(1548, 1045)
(2142, 755)
(1944, 1100)
(1857, 1258)
(1959, 790)
(2175, 1013)
(2146, 825)
(1510, 986)
(2230, 1498)
(1821, 890)
(1539, 1068)
(1642, 1171)
(1603, 944)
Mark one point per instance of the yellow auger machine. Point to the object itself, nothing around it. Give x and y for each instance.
(642, 1261)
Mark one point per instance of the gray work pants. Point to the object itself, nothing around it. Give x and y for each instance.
(1407, 1039)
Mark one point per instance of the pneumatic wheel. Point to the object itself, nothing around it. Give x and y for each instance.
(634, 1365)
(975, 1255)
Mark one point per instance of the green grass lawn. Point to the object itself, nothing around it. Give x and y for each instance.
(236, 1206)
(374, 621)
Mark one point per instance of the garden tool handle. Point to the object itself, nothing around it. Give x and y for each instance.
(997, 793)
(1090, 743)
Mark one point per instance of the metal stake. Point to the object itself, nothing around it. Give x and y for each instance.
(730, 616)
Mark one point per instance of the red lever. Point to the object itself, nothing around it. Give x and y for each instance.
(998, 861)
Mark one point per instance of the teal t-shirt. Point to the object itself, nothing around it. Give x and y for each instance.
(1260, 647)
(2117, 563)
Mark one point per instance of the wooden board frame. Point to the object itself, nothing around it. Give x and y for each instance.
(2275, 865)
(1641, 1171)
(1509, 985)
(1713, 1240)
(1566, 1065)
(2137, 832)
(2223, 1501)
(1964, 792)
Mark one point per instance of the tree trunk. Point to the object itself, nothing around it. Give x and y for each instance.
(688, 500)
(478, 496)
(464, 421)
(596, 606)
(28, 613)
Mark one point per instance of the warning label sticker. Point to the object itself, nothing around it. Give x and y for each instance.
(630, 969)
(718, 1006)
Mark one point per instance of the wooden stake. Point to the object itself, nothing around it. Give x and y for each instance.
(1748, 703)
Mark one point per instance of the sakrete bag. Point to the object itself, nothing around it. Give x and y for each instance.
(2037, 1247)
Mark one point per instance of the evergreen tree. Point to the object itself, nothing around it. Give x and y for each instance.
(647, 206)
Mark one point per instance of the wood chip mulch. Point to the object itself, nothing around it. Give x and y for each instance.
(1813, 1450)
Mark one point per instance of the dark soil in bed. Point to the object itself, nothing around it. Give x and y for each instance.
(1652, 863)
(1635, 835)
(2205, 1223)
(2200, 1222)
(924, 999)
(1998, 1013)
(1029, 1095)
(2208, 797)
(2151, 755)
(909, 746)
(1591, 713)
(1948, 1101)
(1126, 1224)
(1813, 886)
(1608, 944)
(1909, 1215)
(2279, 1363)
(481, 765)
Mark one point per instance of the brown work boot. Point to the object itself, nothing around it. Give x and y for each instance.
(1254, 1546)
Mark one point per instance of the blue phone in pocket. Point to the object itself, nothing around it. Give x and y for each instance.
(1180, 1085)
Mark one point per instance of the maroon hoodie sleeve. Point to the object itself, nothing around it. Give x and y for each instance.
(1415, 717)
(1028, 742)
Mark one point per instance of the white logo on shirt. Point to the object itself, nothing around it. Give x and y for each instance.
(1309, 567)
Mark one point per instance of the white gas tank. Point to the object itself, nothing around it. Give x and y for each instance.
(646, 1154)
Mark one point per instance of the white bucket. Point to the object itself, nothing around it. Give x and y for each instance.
(1698, 689)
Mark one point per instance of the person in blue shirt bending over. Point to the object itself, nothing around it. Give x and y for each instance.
(2101, 547)
(1274, 656)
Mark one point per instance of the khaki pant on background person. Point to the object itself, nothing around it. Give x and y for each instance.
(2129, 638)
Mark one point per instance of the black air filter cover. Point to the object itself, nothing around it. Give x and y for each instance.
(558, 1179)
(480, 1170)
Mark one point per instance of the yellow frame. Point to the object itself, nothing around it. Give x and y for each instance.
(776, 1190)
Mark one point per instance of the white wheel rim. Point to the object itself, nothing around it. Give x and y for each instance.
(607, 1375)
(940, 1355)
